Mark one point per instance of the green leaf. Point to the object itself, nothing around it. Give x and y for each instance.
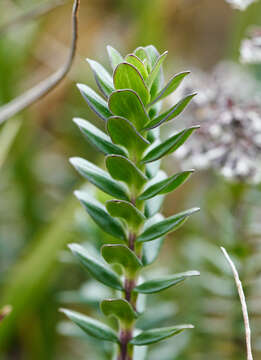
(92, 327)
(141, 53)
(127, 103)
(153, 168)
(122, 132)
(102, 77)
(121, 254)
(98, 138)
(99, 178)
(153, 55)
(168, 146)
(121, 168)
(151, 249)
(126, 211)
(96, 103)
(96, 268)
(165, 186)
(156, 285)
(170, 114)
(153, 205)
(153, 336)
(171, 86)
(119, 308)
(126, 76)
(153, 135)
(100, 216)
(165, 226)
(155, 70)
(115, 57)
(135, 61)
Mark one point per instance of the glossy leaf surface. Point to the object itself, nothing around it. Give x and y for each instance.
(168, 146)
(95, 101)
(171, 86)
(153, 55)
(155, 70)
(151, 249)
(156, 285)
(96, 268)
(119, 308)
(153, 336)
(102, 77)
(121, 254)
(165, 186)
(126, 76)
(127, 103)
(126, 211)
(98, 138)
(99, 178)
(92, 327)
(135, 61)
(114, 56)
(121, 168)
(122, 132)
(100, 216)
(165, 226)
(170, 114)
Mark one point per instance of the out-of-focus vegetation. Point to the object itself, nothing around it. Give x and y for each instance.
(38, 214)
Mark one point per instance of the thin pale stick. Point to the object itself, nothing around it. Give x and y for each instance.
(45, 86)
(243, 304)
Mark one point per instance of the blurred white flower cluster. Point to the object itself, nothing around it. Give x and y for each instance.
(250, 51)
(229, 113)
(240, 4)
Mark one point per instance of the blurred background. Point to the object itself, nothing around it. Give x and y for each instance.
(39, 215)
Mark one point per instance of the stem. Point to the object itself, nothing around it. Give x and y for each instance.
(125, 337)
(132, 238)
(126, 334)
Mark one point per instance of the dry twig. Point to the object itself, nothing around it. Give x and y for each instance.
(243, 304)
(44, 87)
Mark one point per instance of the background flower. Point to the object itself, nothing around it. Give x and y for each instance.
(229, 113)
(240, 4)
(250, 50)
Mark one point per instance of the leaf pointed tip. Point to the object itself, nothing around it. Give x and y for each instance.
(194, 273)
(188, 326)
(194, 210)
(73, 160)
(80, 86)
(76, 193)
(62, 310)
(77, 120)
(73, 247)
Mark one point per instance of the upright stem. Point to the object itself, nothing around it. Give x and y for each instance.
(126, 334)
(125, 337)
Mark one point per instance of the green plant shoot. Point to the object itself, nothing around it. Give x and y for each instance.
(130, 103)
